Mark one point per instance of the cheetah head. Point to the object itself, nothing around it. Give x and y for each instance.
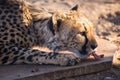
(73, 31)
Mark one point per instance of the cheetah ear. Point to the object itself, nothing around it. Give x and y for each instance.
(76, 8)
(57, 21)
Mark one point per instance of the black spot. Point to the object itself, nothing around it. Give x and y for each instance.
(5, 59)
(22, 58)
(29, 58)
(8, 20)
(5, 38)
(10, 23)
(8, 53)
(14, 22)
(3, 17)
(33, 51)
(42, 41)
(46, 57)
(12, 41)
(28, 32)
(20, 48)
(24, 50)
(17, 25)
(17, 5)
(18, 28)
(5, 50)
(15, 52)
(8, 7)
(24, 29)
(14, 19)
(37, 59)
(51, 54)
(42, 52)
(15, 8)
(22, 53)
(23, 33)
(11, 6)
(3, 7)
(14, 16)
(6, 11)
(13, 49)
(30, 39)
(25, 39)
(14, 59)
(12, 35)
(13, 26)
(21, 11)
(10, 47)
(16, 12)
(16, 44)
(11, 11)
(19, 17)
(18, 34)
(10, 16)
(21, 42)
(12, 30)
(36, 54)
(2, 30)
(1, 42)
(5, 28)
(18, 39)
(3, 23)
(0, 11)
(28, 44)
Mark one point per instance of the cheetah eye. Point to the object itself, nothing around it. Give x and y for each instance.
(82, 33)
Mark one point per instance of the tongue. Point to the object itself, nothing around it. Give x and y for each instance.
(97, 57)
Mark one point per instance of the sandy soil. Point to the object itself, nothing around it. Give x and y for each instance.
(105, 14)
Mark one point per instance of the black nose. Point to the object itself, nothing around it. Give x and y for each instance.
(94, 46)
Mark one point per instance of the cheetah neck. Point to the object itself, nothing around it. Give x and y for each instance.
(43, 32)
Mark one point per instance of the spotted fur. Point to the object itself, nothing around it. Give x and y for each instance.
(25, 30)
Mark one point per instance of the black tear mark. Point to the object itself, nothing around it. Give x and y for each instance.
(51, 27)
(58, 24)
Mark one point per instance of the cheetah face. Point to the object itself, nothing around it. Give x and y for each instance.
(74, 31)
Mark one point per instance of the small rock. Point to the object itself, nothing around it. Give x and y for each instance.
(35, 70)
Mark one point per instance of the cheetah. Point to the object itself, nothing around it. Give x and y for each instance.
(25, 35)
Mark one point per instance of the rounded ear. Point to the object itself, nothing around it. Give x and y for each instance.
(57, 20)
(76, 8)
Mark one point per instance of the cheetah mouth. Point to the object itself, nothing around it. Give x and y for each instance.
(96, 56)
(92, 53)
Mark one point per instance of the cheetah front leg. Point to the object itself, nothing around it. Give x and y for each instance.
(62, 59)
(15, 55)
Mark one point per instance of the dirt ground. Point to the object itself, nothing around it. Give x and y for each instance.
(105, 15)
